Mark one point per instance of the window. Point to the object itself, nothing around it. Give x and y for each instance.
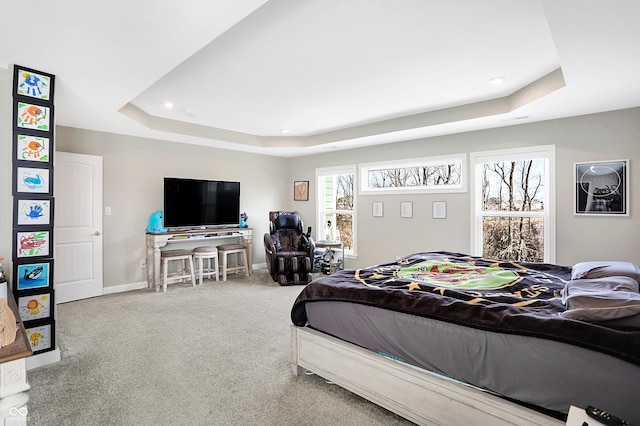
(513, 211)
(416, 175)
(337, 206)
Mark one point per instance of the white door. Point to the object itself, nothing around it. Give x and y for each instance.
(78, 226)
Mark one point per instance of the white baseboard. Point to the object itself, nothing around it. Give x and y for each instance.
(124, 287)
(42, 359)
(143, 284)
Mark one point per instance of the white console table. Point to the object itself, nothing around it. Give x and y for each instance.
(155, 242)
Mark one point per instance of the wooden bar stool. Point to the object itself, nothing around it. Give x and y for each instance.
(240, 251)
(186, 266)
(209, 254)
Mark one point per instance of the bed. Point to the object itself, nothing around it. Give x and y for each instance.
(448, 338)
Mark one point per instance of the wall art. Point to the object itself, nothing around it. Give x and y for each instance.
(32, 180)
(41, 335)
(35, 306)
(33, 275)
(602, 188)
(32, 84)
(32, 211)
(301, 190)
(33, 116)
(32, 148)
(33, 243)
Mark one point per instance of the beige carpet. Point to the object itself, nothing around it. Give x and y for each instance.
(217, 354)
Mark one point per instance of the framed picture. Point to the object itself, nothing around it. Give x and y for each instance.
(602, 188)
(29, 115)
(32, 211)
(35, 306)
(439, 210)
(32, 84)
(301, 190)
(33, 275)
(377, 209)
(32, 148)
(41, 335)
(406, 209)
(32, 180)
(30, 244)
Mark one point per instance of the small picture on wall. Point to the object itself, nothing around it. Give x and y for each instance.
(33, 243)
(601, 188)
(36, 306)
(301, 190)
(33, 275)
(40, 335)
(33, 116)
(32, 148)
(31, 180)
(34, 211)
(32, 84)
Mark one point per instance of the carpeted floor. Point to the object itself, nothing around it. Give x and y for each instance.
(217, 354)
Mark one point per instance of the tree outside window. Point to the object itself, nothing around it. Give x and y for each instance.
(336, 206)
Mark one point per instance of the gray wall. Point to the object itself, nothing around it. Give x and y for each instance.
(6, 221)
(134, 167)
(133, 187)
(606, 136)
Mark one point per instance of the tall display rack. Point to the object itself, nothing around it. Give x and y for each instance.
(33, 204)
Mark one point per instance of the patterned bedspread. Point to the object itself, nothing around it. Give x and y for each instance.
(489, 294)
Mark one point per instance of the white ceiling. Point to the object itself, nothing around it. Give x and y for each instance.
(337, 74)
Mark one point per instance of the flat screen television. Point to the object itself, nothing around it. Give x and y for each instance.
(197, 203)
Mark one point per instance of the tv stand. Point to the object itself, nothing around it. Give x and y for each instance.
(199, 237)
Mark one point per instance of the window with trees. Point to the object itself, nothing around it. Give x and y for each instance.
(337, 206)
(513, 204)
(416, 175)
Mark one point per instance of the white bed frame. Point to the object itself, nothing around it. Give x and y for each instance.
(418, 395)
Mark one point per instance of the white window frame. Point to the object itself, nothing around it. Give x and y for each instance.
(332, 171)
(477, 159)
(365, 189)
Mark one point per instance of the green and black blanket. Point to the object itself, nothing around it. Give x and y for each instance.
(488, 294)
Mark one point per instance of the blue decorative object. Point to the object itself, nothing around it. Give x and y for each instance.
(243, 220)
(155, 223)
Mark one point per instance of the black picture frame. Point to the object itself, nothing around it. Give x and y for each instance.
(31, 114)
(33, 275)
(601, 188)
(33, 147)
(301, 190)
(35, 306)
(33, 243)
(32, 180)
(41, 335)
(32, 211)
(39, 85)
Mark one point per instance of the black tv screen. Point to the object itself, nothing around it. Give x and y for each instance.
(200, 203)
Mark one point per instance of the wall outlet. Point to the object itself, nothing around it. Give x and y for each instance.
(143, 263)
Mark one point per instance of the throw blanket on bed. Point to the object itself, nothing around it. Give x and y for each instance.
(489, 294)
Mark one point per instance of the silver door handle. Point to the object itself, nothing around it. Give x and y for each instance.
(97, 233)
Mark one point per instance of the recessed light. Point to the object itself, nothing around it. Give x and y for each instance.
(496, 81)
(284, 131)
(168, 105)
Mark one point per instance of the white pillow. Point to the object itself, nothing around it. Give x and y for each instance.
(605, 269)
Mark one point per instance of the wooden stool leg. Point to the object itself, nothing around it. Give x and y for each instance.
(245, 263)
(216, 266)
(192, 271)
(224, 266)
(200, 266)
(165, 270)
